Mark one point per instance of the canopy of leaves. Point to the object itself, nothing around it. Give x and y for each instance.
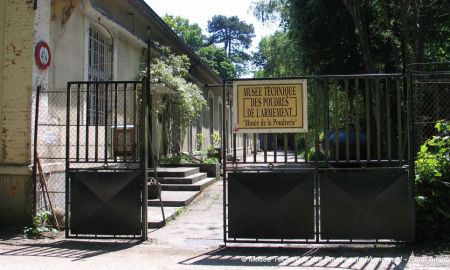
(354, 36)
(191, 34)
(276, 56)
(215, 58)
(186, 99)
(235, 36)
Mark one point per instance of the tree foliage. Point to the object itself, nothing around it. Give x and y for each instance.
(191, 34)
(354, 36)
(276, 56)
(215, 58)
(433, 186)
(186, 99)
(235, 36)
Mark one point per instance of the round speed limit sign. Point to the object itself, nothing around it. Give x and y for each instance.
(43, 55)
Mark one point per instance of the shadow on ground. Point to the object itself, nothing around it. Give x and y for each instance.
(329, 257)
(71, 249)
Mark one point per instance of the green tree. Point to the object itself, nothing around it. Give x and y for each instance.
(182, 102)
(353, 36)
(191, 34)
(235, 36)
(215, 58)
(276, 56)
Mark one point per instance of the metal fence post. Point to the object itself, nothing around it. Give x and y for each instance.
(36, 123)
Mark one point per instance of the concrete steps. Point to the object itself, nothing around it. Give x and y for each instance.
(174, 172)
(197, 186)
(189, 179)
(180, 186)
(175, 198)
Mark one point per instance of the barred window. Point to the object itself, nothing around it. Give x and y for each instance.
(100, 69)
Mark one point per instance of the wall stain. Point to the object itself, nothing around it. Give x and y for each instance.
(12, 191)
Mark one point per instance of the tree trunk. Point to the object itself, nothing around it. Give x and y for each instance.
(357, 9)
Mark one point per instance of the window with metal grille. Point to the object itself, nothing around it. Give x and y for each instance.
(100, 67)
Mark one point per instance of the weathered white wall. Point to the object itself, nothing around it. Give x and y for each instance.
(16, 50)
(128, 58)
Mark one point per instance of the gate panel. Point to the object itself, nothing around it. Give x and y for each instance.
(271, 205)
(107, 203)
(365, 204)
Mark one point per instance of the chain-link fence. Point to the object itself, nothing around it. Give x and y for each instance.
(50, 147)
(431, 99)
(104, 132)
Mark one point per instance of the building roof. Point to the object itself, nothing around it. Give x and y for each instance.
(143, 19)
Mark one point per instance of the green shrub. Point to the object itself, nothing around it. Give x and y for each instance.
(215, 139)
(211, 151)
(433, 187)
(211, 160)
(179, 158)
(40, 225)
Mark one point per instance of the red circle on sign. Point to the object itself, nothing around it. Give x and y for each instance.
(43, 55)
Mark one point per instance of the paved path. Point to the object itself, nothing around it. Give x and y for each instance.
(192, 241)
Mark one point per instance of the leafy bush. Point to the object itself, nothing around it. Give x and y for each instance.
(215, 139)
(211, 151)
(200, 140)
(433, 186)
(40, 225)
(179, 158)
(211, 160)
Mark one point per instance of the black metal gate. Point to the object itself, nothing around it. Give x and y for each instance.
(349, 179)
(105, 160)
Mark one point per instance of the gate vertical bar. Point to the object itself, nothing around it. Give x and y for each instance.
(274, 146)
(106, 124)
(336, 120)
(116, 85)
(399, 123)
(378, 116)
(326, 120)
(88, 112)
(316, 159)
(347, 128)
(135, 109)
(254, 147)
(224, 167)
(357, 103)
(296, 148)
(316, 124)
(411, 167)
(147, 136)
(67, 161)
(244, 147)
(265, 147)
(144, 159)
(388, 118)
(368, 115)
(125, 122)
(97, 85)
(78, 122)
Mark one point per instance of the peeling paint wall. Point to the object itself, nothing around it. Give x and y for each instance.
(16, 58)
(18, 27)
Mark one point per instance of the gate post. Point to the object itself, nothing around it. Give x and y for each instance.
(411, 155)
(224, 162)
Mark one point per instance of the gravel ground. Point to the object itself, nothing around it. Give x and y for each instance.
(194, 241)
